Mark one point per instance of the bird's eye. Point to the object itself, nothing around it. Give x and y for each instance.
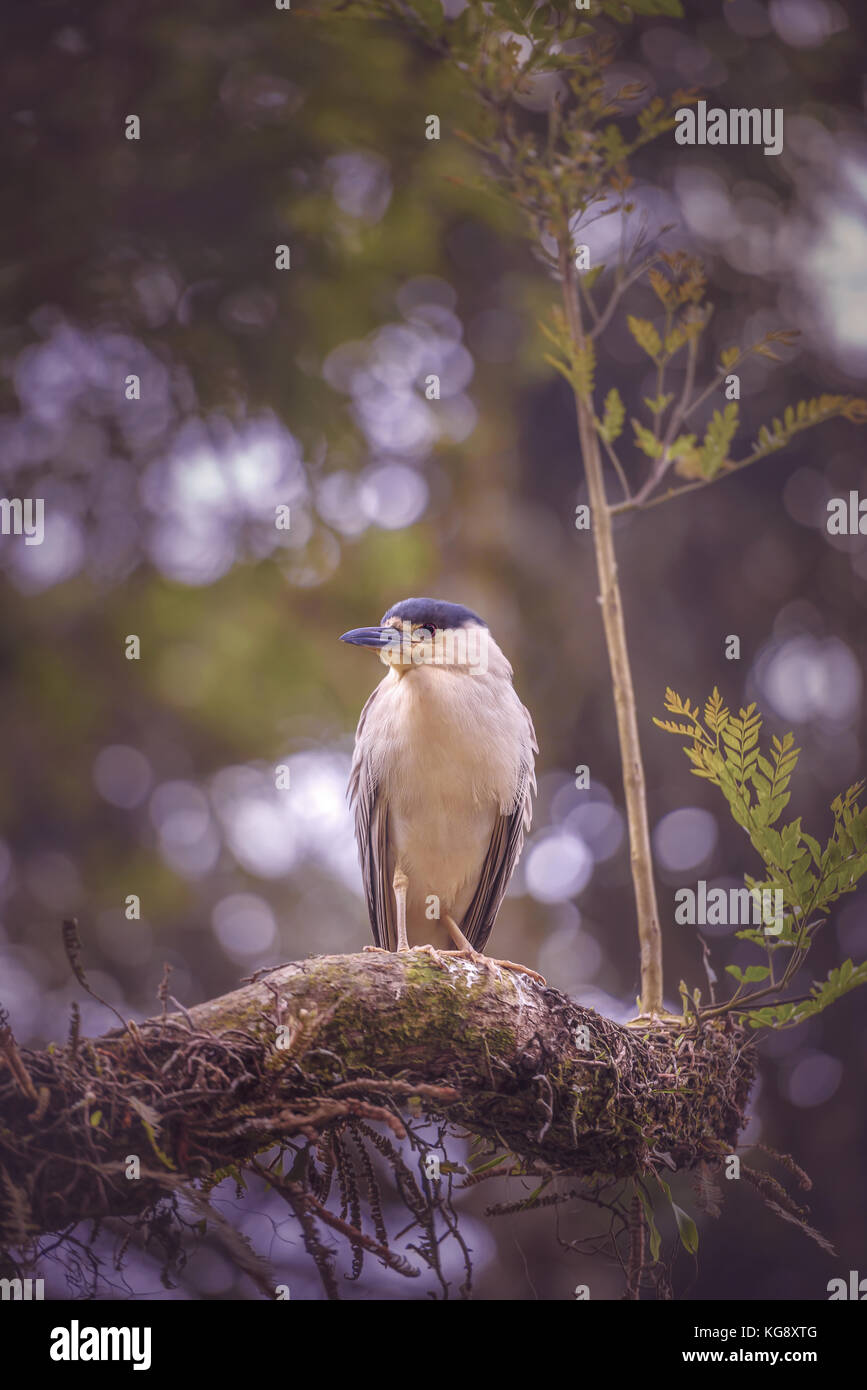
(425, 629)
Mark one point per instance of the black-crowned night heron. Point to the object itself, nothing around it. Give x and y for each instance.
(442, 780)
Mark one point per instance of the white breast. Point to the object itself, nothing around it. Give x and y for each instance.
(450, 748)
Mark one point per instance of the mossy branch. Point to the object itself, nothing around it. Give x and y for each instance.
(312, 1046)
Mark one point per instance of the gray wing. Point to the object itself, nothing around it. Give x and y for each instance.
(371, 834)
(504, 851)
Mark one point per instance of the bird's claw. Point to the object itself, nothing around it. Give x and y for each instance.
(401, 950)
(465, 953)
(519, 969)
(479, 958)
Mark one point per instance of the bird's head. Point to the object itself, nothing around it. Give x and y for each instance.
(427, 632)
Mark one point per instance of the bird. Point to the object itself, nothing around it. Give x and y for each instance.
(441, 782)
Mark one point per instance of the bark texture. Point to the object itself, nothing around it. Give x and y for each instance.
(320, 1041)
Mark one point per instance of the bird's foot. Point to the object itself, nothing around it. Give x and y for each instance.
(521, 969)
(401, 950)
(479, 958)
(429, 950)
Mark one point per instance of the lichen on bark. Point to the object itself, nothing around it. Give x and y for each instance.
(302, 1053)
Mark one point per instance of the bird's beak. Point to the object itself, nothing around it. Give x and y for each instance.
(375, 637)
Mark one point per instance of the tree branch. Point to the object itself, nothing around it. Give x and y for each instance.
(328, 1041)
(634, 786)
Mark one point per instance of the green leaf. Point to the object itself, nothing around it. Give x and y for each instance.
(95, 1119)
(683, 444)
(718, 436)
(858, 830)
(611, 140)
(645, 335)
(657, 404)
(686, 1229)
(750, 975)
(492, 1163)
(561, 367)
(583, 368)
(611, 425)
(646, 440)
(660, 285)
(675, 340)
(755, 972)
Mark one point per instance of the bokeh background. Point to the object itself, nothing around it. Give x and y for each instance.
(305, 388)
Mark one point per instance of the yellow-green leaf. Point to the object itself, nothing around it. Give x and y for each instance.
(645, 335)
(646, 440)
(611, 425)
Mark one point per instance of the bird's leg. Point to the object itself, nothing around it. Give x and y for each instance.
(400, 883)
(463, 948)
(458, 937)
